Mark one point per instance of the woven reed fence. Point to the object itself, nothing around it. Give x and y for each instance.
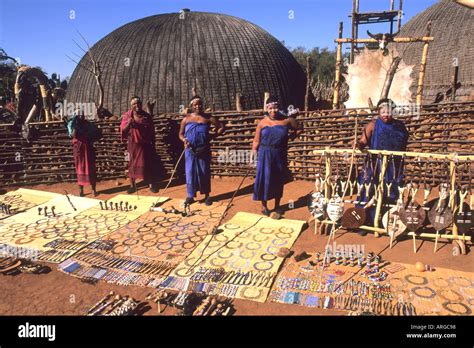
(441, 128)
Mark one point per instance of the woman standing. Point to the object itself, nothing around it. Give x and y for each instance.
(194, 133)
(383, 133)
(270, 145)
(83, 134)
(137, 127)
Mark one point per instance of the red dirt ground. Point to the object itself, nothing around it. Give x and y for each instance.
(56, 293)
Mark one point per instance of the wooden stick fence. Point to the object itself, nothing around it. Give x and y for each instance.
(437, 128)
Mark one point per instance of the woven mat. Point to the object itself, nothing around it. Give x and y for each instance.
(145, 251)
(239, 262)
(440, 292)
(24, 199)
(427, 292)
(54, 238)
(304, 284)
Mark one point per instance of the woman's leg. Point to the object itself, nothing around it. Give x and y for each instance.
(265, 210)
(277, 203)
(132, 186)
(207, 199)
(94, 191)
(81, 190)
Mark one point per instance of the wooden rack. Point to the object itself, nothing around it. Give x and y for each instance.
(453, 158)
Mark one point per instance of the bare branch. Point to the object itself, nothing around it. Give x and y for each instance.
(80, 64)
(82, 49)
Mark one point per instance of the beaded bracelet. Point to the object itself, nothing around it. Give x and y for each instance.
(452, 280)
(458, 299)
(418, 288)
(466, 312)
(409, 276)
(436, 283)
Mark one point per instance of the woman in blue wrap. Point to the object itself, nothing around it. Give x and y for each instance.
(194, 133)
(383, 133)
(270, 147)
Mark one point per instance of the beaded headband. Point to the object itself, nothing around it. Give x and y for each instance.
(272, 104)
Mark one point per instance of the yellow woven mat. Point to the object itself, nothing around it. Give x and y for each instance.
(239, 262)
(440, 292)
(24, 199)
(151, 246)
(75, 224)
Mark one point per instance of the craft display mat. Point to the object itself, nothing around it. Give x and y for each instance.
(303, 272)
(155, 239)
(31, 231)
(248, 243)
(24, 199)
(442, 281)
(461, 282)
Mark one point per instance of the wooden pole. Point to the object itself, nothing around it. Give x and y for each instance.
(328, 175)
(452, 171)
(396, 39)
(400, 14)
(455, 82)
(371, 104)
(421, 76)
(308, 78)
(337, 81)
(389, 77)
(420, 235)
(353, 28)
(391, 20)
(266, 95)
(444, 236)
(380, 194)
(238, 102)
(449, 156)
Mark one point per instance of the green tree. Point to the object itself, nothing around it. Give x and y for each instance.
(322, 62)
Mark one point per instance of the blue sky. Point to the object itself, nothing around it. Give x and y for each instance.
(40, 32)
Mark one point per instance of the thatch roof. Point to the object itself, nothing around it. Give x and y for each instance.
(218, 55)
(452, 28)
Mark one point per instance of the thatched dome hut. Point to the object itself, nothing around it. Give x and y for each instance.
(166, 57)
(452, 26)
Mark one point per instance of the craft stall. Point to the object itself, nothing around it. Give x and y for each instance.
(365, 284)
(367, 190)
(147, 249)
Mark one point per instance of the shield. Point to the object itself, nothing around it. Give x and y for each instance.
(393, 223)
(335, 208)
(316, 205)
(353, 217)
(463, 219)
(413, 217)
(440, 215)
